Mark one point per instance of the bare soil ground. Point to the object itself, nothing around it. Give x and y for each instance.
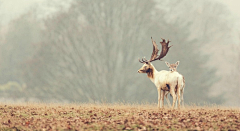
(115, 117)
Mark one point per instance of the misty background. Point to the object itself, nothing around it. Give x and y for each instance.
(88, 50)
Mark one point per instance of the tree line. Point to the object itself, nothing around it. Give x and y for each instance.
(90, 52)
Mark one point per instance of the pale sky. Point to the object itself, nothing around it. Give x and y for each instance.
(233, 5)
(10, 9)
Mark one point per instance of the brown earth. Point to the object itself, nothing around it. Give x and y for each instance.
(115, 117)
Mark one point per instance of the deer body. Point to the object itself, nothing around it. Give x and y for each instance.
(164, 81)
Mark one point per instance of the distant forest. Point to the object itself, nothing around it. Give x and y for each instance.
(89, 53)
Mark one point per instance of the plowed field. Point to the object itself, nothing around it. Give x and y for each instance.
(115, 117)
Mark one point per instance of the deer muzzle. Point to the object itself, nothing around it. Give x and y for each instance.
(140, 71)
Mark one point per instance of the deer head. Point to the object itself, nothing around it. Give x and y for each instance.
(172, 67)
(147, 67)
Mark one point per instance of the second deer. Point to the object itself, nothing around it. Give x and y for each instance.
(173, 68)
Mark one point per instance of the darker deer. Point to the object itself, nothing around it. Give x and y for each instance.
(173, 68)
(163, 80)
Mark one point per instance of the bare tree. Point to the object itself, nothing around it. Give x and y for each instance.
(91, 50)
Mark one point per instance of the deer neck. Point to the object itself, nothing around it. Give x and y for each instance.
(151, 73)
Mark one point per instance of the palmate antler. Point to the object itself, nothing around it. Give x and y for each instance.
(155, 56)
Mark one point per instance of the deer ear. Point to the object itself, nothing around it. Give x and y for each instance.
(168, 64)
(177, 63)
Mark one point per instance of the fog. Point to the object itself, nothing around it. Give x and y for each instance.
(87, 51)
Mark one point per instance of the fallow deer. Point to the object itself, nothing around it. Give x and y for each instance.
(173, 68)
(163, 80)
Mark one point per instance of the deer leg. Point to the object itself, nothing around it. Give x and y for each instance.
(179, 98)
(166, 95)
(182, 97)
(174, 96)
(162, 98)
(176, 102)
(159, 97)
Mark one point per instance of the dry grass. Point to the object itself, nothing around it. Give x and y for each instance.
(40, 116)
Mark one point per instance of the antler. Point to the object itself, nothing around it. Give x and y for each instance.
(164, 51)
(155, 56)
(144, 60)
(155, 50)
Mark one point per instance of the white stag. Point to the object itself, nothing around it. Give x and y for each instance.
(173, 68)
(163, 80)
